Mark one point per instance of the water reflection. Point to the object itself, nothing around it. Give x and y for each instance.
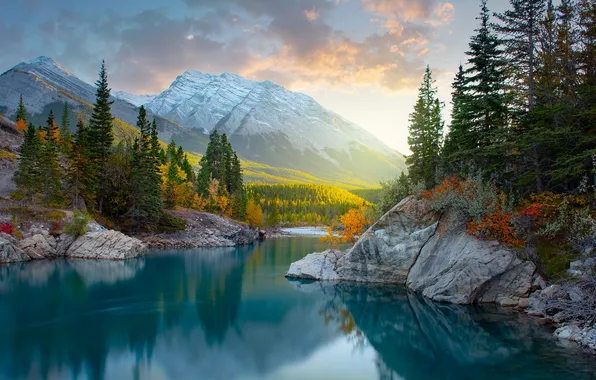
(229, 313)
(415, 338)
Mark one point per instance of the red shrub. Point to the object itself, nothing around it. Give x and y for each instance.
(498, 226)
(7, 228)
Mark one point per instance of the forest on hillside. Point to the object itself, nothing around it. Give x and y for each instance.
(303, 204)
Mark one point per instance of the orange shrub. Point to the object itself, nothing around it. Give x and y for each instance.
(499, 226)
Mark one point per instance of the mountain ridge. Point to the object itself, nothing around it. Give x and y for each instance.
(265, 122)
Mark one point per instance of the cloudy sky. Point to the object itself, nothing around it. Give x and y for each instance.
(361, 58)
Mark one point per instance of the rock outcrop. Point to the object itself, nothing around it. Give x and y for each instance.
(203, 230)
(411, 245)
(316, 266)
(106, 245)
(101, 245)
(10, 252)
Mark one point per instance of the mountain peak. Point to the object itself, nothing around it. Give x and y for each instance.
(44, 62)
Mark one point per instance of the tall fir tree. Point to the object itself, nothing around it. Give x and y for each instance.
(487, 103)
(426, 133)
(21, 117)
(101, 134)
(145, 180)
(459, 142)
(28, 169)
(80, 176)
(50, 171)
(65, 135)
(519, 29)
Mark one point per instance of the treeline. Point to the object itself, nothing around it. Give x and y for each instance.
(128, 183)
(310, 204)
(524, 104)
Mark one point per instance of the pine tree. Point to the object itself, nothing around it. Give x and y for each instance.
(426, 132)
(172, 180)
(21, 118)
(52, 132)
(21, 110)
(65, 135)
(145, 179)
(100, 133)
(459, 142)
(520, 34)
(27, 173)
(79, 178)
(487, 104)
(50, 172)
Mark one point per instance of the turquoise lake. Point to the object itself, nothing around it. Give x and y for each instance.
(229, 313)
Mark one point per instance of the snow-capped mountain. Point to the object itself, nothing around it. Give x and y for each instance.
(45, 85)
(269, 123)
(265, 123)
(137, 100)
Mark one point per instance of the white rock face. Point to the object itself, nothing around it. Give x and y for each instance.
(316, 266)
(108, 245)
(406, 246)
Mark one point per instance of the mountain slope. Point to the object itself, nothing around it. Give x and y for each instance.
(283, 137)
(46, 85)
(269, 124)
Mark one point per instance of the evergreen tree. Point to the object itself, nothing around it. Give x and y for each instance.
(520, 34)
(426, 132)
(145, 178)
(460, 141)
(21, 118)
(79, 177)
(21, 111)
(100, 134)
(172, 180)
(27, 173)
(50, 172)
(65, 135)
(487, 104)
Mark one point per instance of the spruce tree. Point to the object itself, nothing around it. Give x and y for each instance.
(50, 171)
(519, 30)
(460, 141)
(487, 103)
(21, 111)
(145, 179)
(65, 135)
(100, 134)
(21, 118)
(79, 177)
(426, 132)
(28, 169)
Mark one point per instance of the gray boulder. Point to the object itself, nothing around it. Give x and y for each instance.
(39, 246)
(10, 252)
(107, 245)
(316, 266)
(411, 245)
(458, 268)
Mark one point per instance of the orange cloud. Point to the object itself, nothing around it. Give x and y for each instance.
(399, 9)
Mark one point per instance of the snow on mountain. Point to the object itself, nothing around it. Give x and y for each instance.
(137, 100)
(239, 106)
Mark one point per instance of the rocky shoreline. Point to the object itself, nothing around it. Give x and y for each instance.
(203, 230)
(433, 255)
(98, 243)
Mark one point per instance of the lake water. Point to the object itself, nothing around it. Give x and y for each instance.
(229, 313)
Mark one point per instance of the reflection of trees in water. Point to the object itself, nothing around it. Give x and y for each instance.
(415, 338)
(65, 321)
